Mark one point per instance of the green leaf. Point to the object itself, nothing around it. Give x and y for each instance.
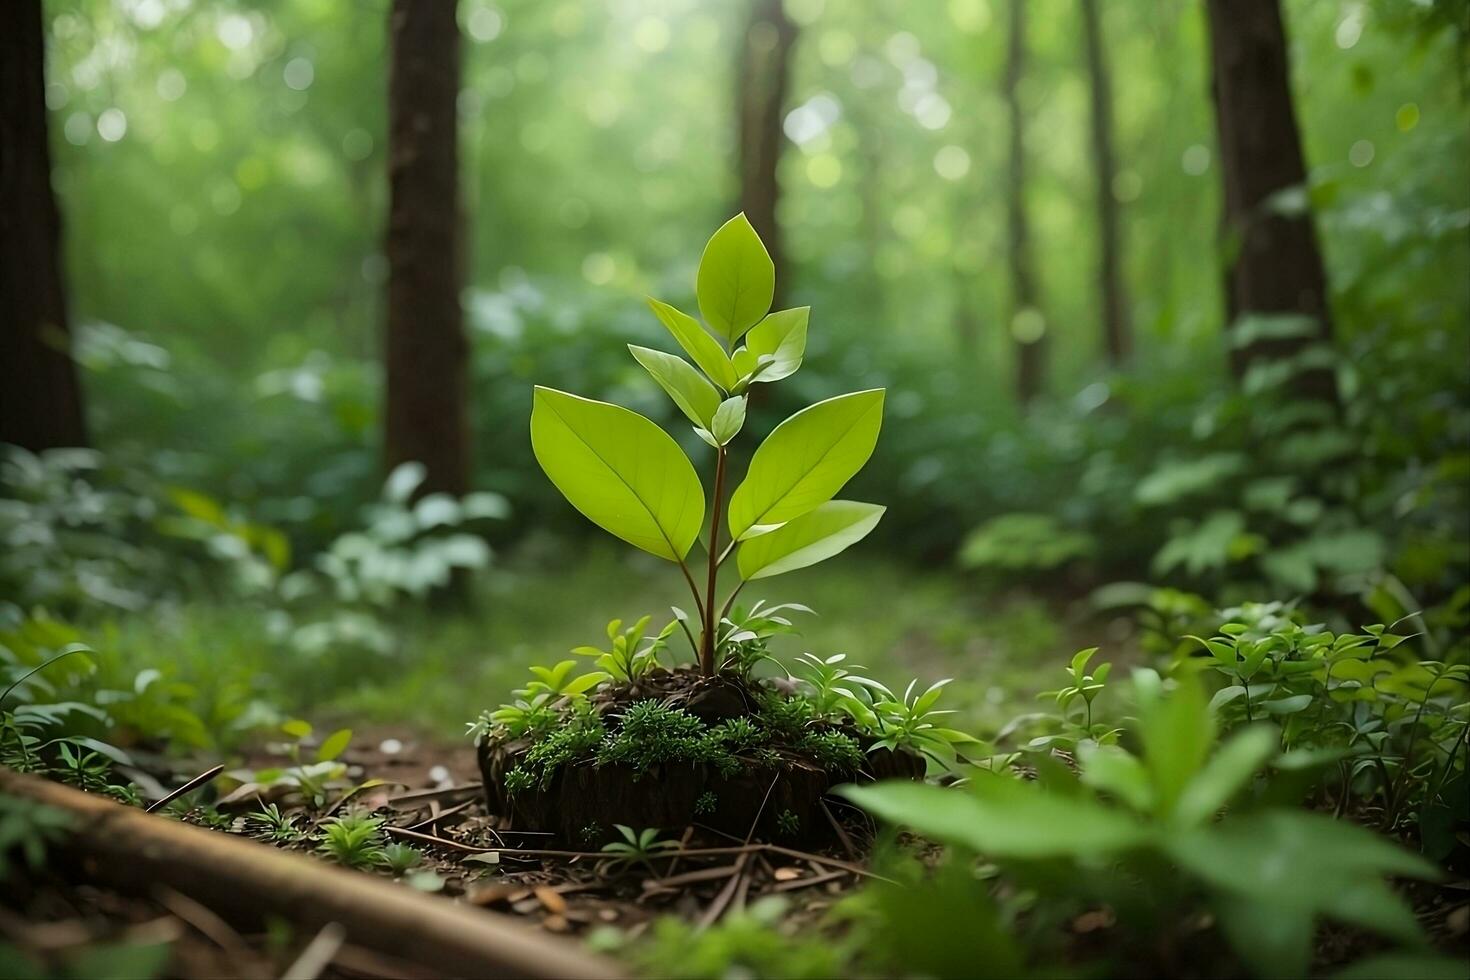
(810, 538)
(696, 397)
(736, 279)
(334, 745)
(805, 461)
(1112, 770)
(623, 473)
(728, 419)
(1424, 966)
(1177, 731)
(781, 335)
(703, 349)
(1002, 817)
(1225, 774)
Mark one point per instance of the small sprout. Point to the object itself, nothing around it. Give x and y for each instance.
(399, 859)
(636, 847)
(788, 824)
(706, 803)
(353, 840)
(270, 824)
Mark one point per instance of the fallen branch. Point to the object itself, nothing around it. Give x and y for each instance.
(244, 881)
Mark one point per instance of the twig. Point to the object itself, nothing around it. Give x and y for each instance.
(442, 814)
(688, 878)
(189, 787)
(318, 954)
(841, 833)
(797, 883)
(727, 894)
(425, 794)
(206, 923)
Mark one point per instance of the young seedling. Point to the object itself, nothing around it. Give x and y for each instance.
(637, 847)
(629, 477)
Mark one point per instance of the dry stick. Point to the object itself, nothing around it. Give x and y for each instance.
(318, 954)
(425, 794)
(688, 878)
(842, 836)
(207, 924)
(435, 818)
(189, 787)
(243, 880)
(797, 883)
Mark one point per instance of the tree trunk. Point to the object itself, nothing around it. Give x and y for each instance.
(1024, 313)
(40, 396)
(763, 74)
(426, 352)
(1275, 266)
(1117, 332)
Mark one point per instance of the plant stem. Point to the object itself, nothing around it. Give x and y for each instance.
(693, 588)
(711, 622)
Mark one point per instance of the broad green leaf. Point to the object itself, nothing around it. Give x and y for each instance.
(729, 419)
(1177, 731)
(1112, 770)
(1307, 862)
(703, 349)
(696, 397)
(1227, 772)
(805, 461)
(810, 538)
(623, 473)
(736, 279)
(782, 335)
(334, 745)
(1002, 817)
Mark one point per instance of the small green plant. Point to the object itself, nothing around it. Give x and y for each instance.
(788, 824)
(625, 661)
(629, 477)
(637, 847)
(910, 723)
(311, 772)
(1133, 826)
(1083, 689)
(831, 684)
(353, 840)
(270, 823)
(707, 803)
(399, 859)
(744, 636)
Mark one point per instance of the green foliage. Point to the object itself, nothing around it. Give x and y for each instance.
(745, 634)
(271, 824)
(748, 942)
(626, 474)
(1388, 728)
(1268, 873)
(312, 773)
(1022, 542)
(399, 859)
(836, 752)
(650, 733)
(636, 847)
(625, 661)
(354, 840)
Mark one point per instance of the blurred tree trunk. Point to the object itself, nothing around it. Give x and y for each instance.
(40, 396)
(426, 352)
(1274, 266)
(762, 77)
(1030, 350)
(1117, 332)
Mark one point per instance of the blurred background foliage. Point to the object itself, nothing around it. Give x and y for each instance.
(220, 171)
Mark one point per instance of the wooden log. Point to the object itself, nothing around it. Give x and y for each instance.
(243, 881)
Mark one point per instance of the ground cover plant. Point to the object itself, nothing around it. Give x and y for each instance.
(568, 752)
